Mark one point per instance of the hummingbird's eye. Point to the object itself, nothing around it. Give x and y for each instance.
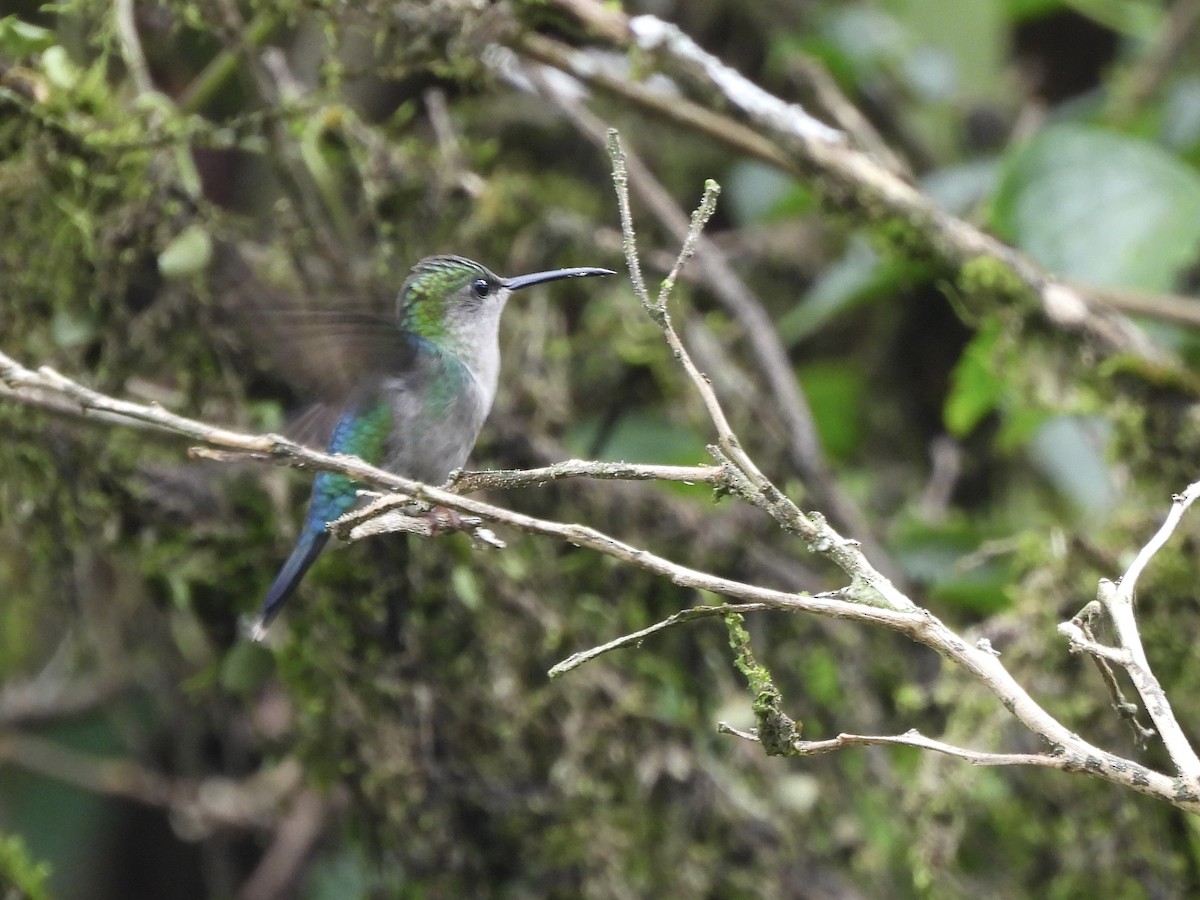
(480, 287)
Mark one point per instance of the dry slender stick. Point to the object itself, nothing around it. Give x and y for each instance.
(635, 638)
(915, 739)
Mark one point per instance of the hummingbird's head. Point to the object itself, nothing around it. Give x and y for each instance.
(457, 301)
(447, 298)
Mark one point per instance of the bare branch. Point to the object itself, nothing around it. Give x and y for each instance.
(576, 660)
(892, 610)
(914, 738)
(1117, 601)
(505, 479)
(1179, 506)
(198, 806)
(1081, 643)
(703, 212)
(652, 34)
(744, 477)
(1081, 625)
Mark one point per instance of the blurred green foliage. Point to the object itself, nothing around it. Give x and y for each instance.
(1090, 204)
(20, 877)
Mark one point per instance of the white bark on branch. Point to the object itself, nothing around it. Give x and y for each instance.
(1118, 601)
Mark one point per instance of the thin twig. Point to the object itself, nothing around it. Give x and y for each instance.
(699, 220)
(867, 584)
(744, 477)
(1117, 600)
(1124, 708)
(900, 616)
(575, 660)
(1179, 505)
(915, 739)
(717, 274)
(505, 479)
(1080, 643)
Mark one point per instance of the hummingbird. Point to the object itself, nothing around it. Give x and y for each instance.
(423, 384)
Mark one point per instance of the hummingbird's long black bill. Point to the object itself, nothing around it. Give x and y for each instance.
(524, 281)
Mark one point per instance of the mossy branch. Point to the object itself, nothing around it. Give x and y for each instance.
(777, 732)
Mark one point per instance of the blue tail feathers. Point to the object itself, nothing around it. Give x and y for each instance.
(333, 496)
(305, 552)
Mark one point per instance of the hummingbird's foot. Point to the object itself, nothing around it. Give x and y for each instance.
(444, 520)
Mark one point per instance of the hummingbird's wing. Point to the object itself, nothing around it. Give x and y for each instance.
(337, 357)
(326, 350)
(314, 425)
(330, 352)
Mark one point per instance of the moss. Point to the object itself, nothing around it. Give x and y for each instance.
(776, 731)
(987, 278)
(894, 236)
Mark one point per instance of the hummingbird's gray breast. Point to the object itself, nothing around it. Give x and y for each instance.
(437, 412)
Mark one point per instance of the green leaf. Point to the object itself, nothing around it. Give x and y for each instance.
(70, 330)
(944, 557)
(835, 395)
(19, 38)
(976, 387)
(759, 193)
(858, 277)
(187, 254)
(60, 71)
(20, 875)
(1101, 207)
(1069, 451)
(466, 587)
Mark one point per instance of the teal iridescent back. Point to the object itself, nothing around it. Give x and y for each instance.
(360, 432)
